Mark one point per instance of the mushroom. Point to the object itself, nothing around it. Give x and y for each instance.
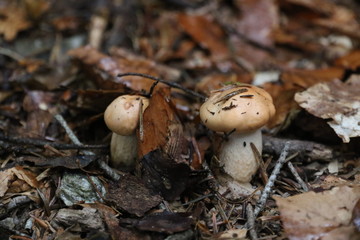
(122, 118)
(241, 111)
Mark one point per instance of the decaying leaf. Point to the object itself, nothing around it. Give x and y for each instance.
(12, 21)
(337, 101)
(323, 215)
(104, 67)
(17, 179)
(164, 150)
(206, 32)
(167, 222)
(130, 195)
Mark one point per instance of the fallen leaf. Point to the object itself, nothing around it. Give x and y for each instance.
(167, 222)
(5, 177)
(103, 67)
(350, 61)
(257, 20)
(207, 33)
(12, 21)
(130, 195)
(323, 215)
(337, 101)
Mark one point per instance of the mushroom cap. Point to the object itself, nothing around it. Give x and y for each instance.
(240, 107)
(122, 115)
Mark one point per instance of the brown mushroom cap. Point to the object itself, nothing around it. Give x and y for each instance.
(122, 115)
(240, 107)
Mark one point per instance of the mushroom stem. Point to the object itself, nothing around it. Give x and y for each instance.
(237, 155)
(123, 151)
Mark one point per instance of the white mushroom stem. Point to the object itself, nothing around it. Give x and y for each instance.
(123, 150)
(237, 156)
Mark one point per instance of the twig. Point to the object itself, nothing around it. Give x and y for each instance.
(266, 192)
(306, 149)
(10, 53)
(43, 143)
(171, 84)
(108, 171)
(297, 177)
(251, 222)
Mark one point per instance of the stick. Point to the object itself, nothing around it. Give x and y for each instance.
(108, 171)
(251, 222)
(42, 143)
(171, 84)
(297, 177)
(266, 192)
(306, 149)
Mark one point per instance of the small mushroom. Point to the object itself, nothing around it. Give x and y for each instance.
(240, 110)
(122, 118)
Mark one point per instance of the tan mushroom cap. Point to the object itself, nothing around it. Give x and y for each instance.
(122, 115)
(240, 107)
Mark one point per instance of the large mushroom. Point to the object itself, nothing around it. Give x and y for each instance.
(241, 111)
(122, 118)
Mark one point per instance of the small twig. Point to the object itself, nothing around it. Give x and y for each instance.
(297, 177)
(266, 192)
(260, 161)
(10, 53)
(223, 215)
(171, 84)
(306, 149)
(108, 171)
(43, 143)
(251, 222)
(198, 199)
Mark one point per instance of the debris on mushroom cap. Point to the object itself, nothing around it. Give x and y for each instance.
(239, 107)
(122, 115)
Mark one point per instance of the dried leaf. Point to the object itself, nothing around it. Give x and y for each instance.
(122, 61)
(167, 222)
(337, 101)
(130, 195)
(258, 20)
(206, 32)
(350, 61)
(5, 177)
(156, 121)
(12, 21)
(324, 215)
(26, 175)
(162, 174)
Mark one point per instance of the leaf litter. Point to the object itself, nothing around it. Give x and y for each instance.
(312, 46)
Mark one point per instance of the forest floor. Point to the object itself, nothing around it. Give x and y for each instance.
(61, 63)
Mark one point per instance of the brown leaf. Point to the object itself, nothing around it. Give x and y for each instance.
(257, 21)
(5, 177)
(350, 61)
(12, 21)
(130, 195)
(324, 215)
(337, 101)
(206, 32)
(167, 222)
(26, 175)
(156, 121)
(122, 61)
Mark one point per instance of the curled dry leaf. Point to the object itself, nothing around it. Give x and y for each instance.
(323, 215)
(207, 33)
(8, 180)
(12, 21)
(337, 101)
(121, 61)
(130, 195)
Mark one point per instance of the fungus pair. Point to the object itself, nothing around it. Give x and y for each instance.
(240, 110)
